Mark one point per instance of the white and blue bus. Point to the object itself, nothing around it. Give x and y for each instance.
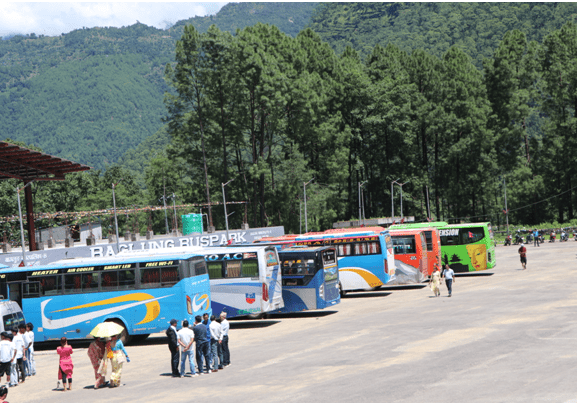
(365, 257)
(310, 278)
(244, 280)
(70, 297)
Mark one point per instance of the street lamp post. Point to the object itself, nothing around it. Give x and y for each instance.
(393, 202)
(224, 201)
(175, 219)
(305, 193)
(506, 210)
(21, 223)
(360, 199)
(115, 218)
(402, 184)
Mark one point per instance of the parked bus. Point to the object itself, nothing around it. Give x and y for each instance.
(464, 247)
(366, 258)
(410, 256)
(70, 297)
(310, 278)
(433, 247)
(244, 279)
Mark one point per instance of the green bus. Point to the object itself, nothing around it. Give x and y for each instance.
(464, 247)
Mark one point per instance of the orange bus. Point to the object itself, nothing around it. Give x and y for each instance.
(411, 259)
(433, 239)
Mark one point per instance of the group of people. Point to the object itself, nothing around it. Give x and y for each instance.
(100, 351)
(17, 354)
(210, 339)
(435, 283)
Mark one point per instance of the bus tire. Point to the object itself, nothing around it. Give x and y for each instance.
(124, 335)
(343, 293)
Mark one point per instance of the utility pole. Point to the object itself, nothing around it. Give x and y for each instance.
(224, 203)
(115, 218)
(393, 202)
(305, 192)
(164, 200)
(21, 223)
(361, 202)
(506, 210)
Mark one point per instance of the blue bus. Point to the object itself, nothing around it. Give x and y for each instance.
(310, 278)
(366, 258)
(70, 297)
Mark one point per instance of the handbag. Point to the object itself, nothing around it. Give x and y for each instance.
(102, 368)
(121, 358)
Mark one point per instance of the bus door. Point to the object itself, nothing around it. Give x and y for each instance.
(330, 275)
(424, 259)
(15, 292)
(272, 286)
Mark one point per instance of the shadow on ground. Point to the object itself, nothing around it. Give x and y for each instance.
(303, 314)
(366, 294)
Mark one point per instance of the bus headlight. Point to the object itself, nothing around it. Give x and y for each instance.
(322, 291)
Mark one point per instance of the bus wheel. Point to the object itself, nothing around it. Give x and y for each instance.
(343, 293)
(124, 336)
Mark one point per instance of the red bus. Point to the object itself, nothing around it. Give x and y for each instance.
(411, 260)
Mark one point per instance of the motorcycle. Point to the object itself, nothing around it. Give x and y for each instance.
(552, 238)
(508, 240)
(529, 238)
(542, 239)
(518, 239)
(564, 237)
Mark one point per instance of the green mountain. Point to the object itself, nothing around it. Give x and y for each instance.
(92, 94)
(476, 28)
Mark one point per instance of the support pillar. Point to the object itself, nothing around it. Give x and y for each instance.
(30, 217)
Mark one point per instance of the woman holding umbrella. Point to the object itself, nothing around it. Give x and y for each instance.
(96, 354)
(114, 350)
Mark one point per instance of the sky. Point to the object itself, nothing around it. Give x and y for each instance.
(56, 18)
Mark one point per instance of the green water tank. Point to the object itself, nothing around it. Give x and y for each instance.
(191, 223)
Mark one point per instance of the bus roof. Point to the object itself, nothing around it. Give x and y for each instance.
(401, 232)
(437, 225)
(97, 261)
(307, 249)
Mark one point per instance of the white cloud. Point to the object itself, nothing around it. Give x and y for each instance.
(53, 19)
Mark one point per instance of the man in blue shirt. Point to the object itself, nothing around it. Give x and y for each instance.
(202, 344)
(535, 237)
(449, 277)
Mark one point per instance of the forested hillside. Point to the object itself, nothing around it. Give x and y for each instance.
(476, 28)
(92, 94)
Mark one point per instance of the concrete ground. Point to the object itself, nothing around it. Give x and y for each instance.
(508, 337)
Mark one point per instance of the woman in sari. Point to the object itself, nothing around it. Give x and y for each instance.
(65, 366)
(119, 356)
(96, 354)
(435, 283)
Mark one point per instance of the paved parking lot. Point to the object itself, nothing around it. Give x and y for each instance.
(507, 337)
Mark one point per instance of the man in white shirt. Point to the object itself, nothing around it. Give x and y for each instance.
(30, 352)
(185, 340)
(449, 275)
(26, 339)
(7, 354)
(215, 341)
(224, 345)
(20, 356)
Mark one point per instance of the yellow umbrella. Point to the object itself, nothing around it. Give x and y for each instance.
(106, 329)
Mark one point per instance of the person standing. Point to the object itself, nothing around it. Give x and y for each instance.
(215, 341)
(202, 344)
(65, 365)
(435, 283)
(7, 355)
(96, 352)
(23, 332)
(20, 356)
(30, 352)
(523, 255)
(13, 365)
(206, 321)
(224, 345)
(171, 332)
(535, 237)
(449, 275)
(119, 357)
(185, 340)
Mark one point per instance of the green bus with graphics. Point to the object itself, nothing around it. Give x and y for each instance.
(464, 247)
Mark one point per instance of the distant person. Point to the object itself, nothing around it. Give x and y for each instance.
(215, 341)
(65, 365)
(13, 364)
(186, 340)
(3, 394)
(119, 357)
(224, 345)
(435, 283)
(202, 344)
(25, 337)
(206, 321)
(20, 356)
(523, 255)
(96, 352)
(7, 355)
(535, 237)
(171, 332)
(30, 352)
(449, 275)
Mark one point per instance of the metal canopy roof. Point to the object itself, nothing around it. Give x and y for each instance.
(21, 163)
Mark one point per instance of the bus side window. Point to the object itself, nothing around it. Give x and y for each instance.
(127, 279)
(109, 280)
(72, 283)
(51, 285)
(249, 268)
(169, 276)
(345, 249)
(374, 248)
(90, 282)
(150, 277)
(232, 269)
(199, 268)
(214, 270)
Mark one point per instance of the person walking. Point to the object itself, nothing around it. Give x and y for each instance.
(119, 357)
(523, 255)
(20, 349)
(449, 275)
(7, 355)
(171, 332)
(435, 283)
(30, 351)
(215, 341)
(13, 364)
(224, 345)
(65, 365)
(96, 352)
(185, 340)
(202, 344)
(535, 237)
